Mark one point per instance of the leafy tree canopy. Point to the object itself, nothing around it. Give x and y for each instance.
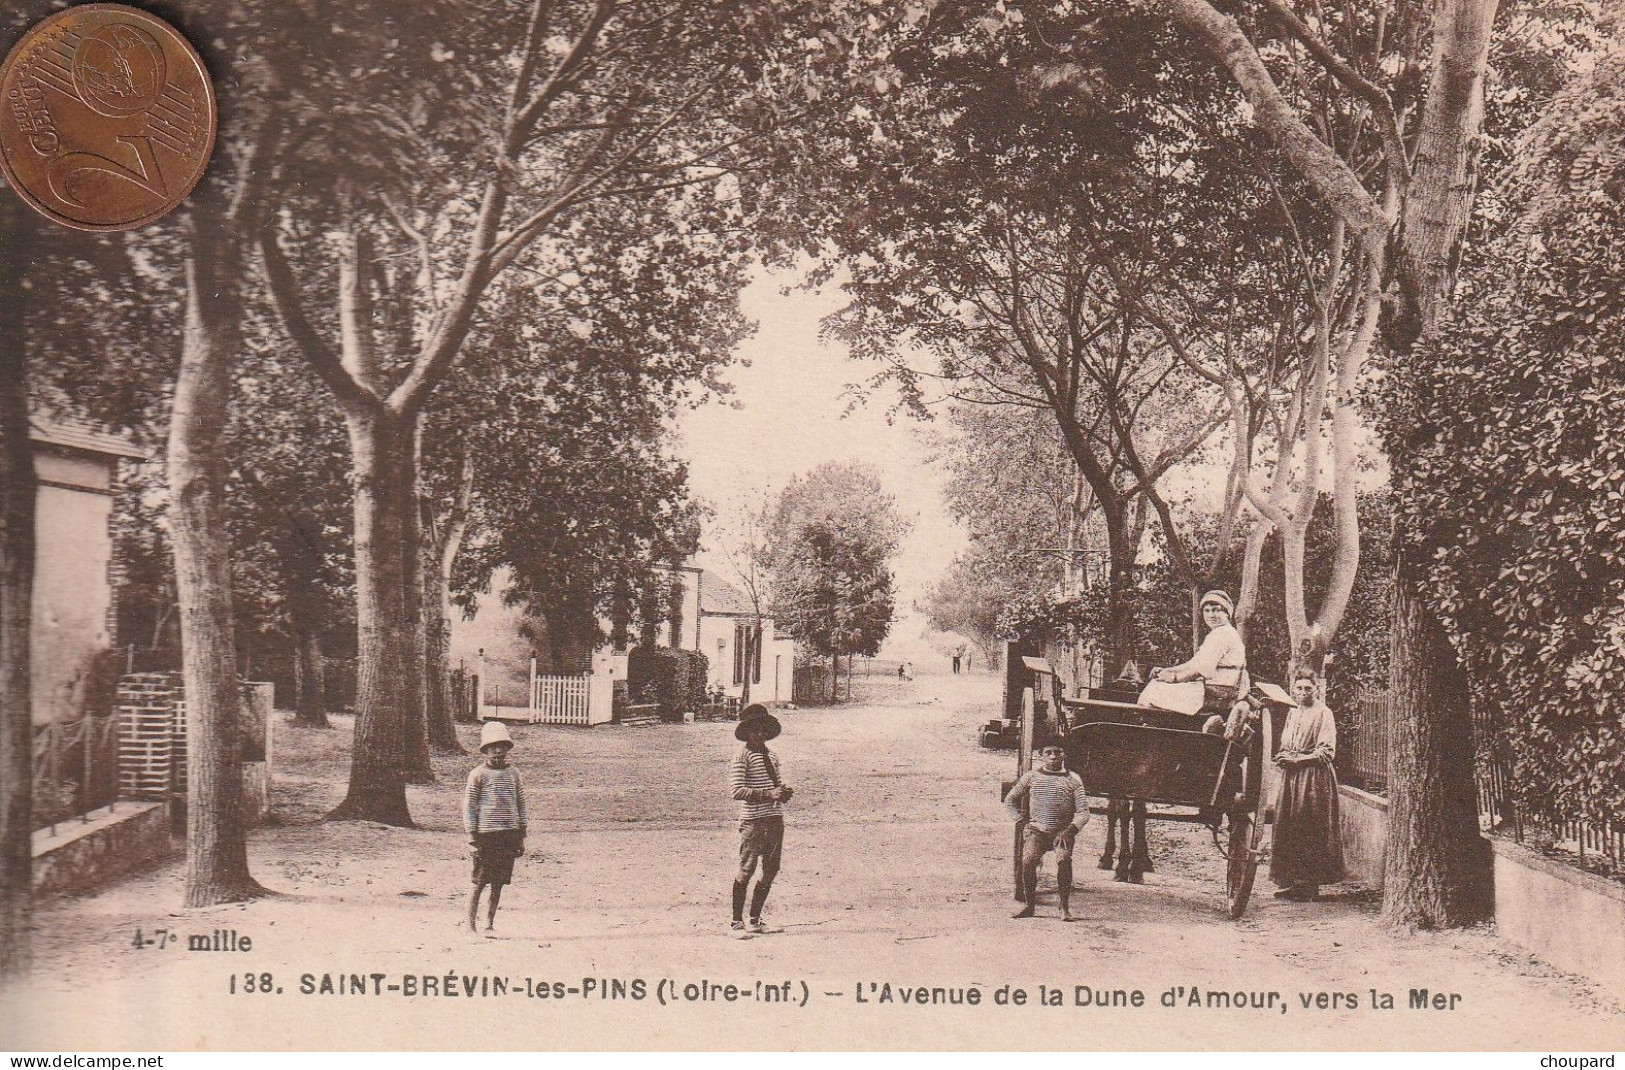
(830, 541)
(1519, 496)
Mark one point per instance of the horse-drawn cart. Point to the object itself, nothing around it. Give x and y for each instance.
(1139, 756)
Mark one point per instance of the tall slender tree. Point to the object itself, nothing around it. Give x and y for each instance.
(552, 106)
(217, 228)
(1436, 872)
(17, 498)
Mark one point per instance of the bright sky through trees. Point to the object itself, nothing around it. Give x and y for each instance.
(792, 415)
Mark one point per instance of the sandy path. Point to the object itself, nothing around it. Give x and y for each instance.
(896, 872)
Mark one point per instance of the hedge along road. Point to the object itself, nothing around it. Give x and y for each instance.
(895, 884)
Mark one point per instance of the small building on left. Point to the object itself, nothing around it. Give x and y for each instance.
(82, 835)
(74, 569)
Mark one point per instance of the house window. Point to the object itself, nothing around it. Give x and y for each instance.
(674, 614)
(747, 651)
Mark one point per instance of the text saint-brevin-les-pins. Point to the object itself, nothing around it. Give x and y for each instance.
(107, 117)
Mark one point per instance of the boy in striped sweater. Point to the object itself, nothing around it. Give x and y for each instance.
(1057, 809)
(754, 783)
(494, 815)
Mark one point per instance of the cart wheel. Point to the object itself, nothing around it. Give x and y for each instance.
(1243, 866)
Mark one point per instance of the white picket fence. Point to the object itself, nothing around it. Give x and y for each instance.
(560, 699)
(566, 700)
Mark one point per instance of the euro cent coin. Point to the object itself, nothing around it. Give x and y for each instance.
(107, 117)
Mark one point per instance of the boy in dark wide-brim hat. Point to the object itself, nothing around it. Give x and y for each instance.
(754, 783)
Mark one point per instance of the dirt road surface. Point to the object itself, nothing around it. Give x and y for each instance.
(896, 873)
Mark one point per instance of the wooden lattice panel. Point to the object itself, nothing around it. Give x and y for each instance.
(152, 762)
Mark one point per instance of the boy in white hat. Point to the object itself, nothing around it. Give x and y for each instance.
(494, 815)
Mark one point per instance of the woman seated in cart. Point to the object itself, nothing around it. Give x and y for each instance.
(1220, 662)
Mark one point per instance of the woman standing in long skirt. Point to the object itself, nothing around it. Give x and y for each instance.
(1308, 848)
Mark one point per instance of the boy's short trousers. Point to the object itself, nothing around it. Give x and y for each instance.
(494, 853)
(761, 840)
(1035, 843)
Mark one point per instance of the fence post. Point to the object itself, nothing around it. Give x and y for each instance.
(533, 700)
(85, 727)
(479, 687)
(56, 770)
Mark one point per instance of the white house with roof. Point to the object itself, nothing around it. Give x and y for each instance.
(716, 619)
(719, 621)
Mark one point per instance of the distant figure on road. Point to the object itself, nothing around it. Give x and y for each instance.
(754, 782)
(1058, 811)
(956, 663)
(494, 815)
(1308, 846)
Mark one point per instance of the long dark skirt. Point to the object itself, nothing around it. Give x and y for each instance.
(1308, 842)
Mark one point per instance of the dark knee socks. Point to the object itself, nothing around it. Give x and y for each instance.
(759, 897)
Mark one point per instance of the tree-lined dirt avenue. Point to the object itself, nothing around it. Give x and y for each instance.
(896, 871)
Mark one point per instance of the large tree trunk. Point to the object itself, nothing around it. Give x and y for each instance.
(17, 490)
(1437, 871)
(1436, 206)
(1121, 552)
(1434, 844)
(305, 619)
(442, 734)
(419, 770)
(216, 842)
(310, 678)
(437, 661)
(379, 450)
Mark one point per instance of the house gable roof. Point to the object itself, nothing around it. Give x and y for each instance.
(720, 598)
(48, 430)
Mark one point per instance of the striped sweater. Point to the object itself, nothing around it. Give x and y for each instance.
(751, 780)
(1055, 799)
(494, 801)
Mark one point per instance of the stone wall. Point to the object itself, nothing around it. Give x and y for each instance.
(114, 842)
(1365, 834)
(259, 734)
(1570, 918)
(1573, 919)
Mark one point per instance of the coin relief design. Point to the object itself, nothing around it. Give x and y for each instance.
(107, 117)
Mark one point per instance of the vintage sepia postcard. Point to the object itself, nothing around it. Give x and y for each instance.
(812, 524)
